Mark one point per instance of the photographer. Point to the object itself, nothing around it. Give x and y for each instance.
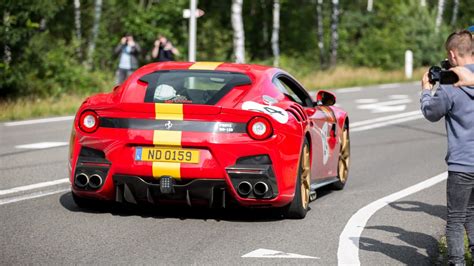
(127, 50)
(163, 50)
(456, 105)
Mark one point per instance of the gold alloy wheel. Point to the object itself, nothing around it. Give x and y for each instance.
(305, 177)
(344, 156)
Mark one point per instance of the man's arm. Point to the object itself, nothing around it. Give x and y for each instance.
(118, 49)
(466, 77)
(434, 107)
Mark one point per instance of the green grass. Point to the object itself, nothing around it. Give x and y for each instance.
(443, 251)
(343, 76)
(24, 108)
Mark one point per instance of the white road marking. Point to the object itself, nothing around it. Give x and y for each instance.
(39, 121)
(389, 86)
(387, 123)
(41, 145)
(348, 250)
(365, 101)
(347, 90)
(388, 106)
(383, 118)
(33, 186)
(398, 96)
(268, 253)
(32, 196)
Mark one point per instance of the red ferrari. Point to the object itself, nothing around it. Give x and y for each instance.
(209, 133)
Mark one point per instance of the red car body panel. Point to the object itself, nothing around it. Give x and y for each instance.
(218, 151)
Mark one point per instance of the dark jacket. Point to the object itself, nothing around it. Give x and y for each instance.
(457, 106)
(133, 53)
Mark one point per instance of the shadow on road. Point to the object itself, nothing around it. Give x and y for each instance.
(232, 214)
(408, 254)
(417, 206)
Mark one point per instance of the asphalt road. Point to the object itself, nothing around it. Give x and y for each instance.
(385, 159)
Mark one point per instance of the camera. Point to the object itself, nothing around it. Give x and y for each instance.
(442, 74)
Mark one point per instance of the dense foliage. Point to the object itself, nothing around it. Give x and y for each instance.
(41, 54)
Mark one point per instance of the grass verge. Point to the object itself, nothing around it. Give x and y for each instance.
(443, 251)
(343, 76)
(25, 108)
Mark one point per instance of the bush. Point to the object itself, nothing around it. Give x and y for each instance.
(48, 68)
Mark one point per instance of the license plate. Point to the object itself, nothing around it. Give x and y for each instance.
(166, 155)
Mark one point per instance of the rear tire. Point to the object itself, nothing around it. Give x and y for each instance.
(344, 160)
(298, 208)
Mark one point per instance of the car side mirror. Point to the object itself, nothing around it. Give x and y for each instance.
(325, 98)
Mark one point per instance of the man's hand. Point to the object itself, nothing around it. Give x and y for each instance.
(130, 42)
(425, 82)
(466, 77)
(123, 40)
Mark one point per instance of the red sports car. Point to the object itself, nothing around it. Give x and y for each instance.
(209, 133)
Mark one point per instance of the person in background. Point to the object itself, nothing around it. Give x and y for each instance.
(456, 105)
(163, 50)
(127, 50)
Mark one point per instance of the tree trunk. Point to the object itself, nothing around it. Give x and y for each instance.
(7, 55)
(276, 32)
(77, 23)
(264, 23)
(95, 31)
(455, 12)
(334, 34)
(319, 11)
(370, 5)
(238, 27)
(439, 16)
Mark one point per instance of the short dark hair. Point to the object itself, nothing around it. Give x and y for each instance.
(461, 41)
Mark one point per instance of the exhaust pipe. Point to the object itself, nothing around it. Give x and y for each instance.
(95, 181)
(82, 180)
(244, 188)
(260, 189)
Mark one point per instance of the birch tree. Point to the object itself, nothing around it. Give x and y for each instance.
(439, 16)
(95, 31)
(319, 20)
(264, 20)
(7, 55)
(455, 12)
(334, 34)
(276, 33)
(238, 27)
(370, 5)
(77, 24)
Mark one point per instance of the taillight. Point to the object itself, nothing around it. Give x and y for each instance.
(259, 128)
(89, 121)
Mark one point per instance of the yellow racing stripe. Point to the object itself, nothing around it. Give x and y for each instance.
(205, 65)
(165, 168)
(167, 138)
(167, 111)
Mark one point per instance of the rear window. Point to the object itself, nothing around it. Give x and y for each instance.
(191, 87)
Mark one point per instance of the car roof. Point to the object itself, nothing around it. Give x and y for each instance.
(249, 69)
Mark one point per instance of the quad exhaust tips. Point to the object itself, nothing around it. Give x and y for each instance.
(244, 188)
(93, 181)
(260, 189)
(82, 180)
